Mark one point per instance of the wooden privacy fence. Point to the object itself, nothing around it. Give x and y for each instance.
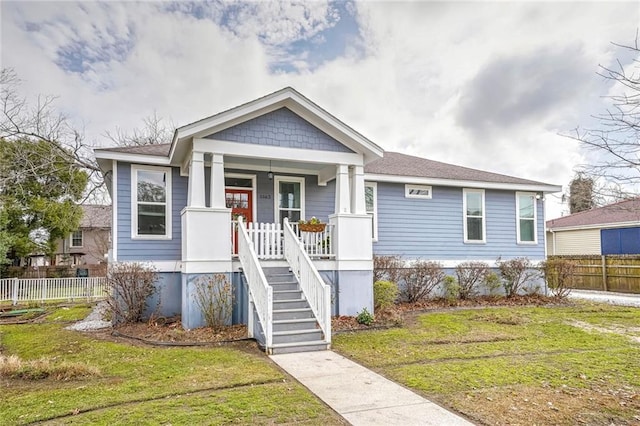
(620, 273)
(16, 290)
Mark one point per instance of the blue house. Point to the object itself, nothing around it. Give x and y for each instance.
(226, 195)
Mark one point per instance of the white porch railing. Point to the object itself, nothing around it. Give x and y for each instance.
(16, 290)
(268, 238)
(260, 292)
(316, 291)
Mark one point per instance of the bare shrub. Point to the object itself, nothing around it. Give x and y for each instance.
(387, 268)
(558, 274)
(516, 273)
(129, 286)
(214, 297)
(420, 279)
(469, 275)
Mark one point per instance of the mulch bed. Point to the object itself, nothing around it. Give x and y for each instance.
(171, 331)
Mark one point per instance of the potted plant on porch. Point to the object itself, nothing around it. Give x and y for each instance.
(311, 225)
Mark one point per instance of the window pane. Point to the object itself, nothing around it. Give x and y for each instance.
(368, 196)
(526, 230)
(151, 186)
(526, 206)
(474, 204)
(289, 196)
(151, 220)
(238, 182)
(474, 228)
(293, 215)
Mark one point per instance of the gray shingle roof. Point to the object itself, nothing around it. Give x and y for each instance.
(624, 211)
(160, 149)
(95, 216)
(394, 163)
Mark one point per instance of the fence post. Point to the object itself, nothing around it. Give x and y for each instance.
(14, 297)
(604, 273)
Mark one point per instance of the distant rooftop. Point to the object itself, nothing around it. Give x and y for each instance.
(621, 212)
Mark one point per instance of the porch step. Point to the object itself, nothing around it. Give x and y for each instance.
(289, 304)
(294, 324)
(288, 348)
(287, 294)
(289, 314)
(285, 285)
(297, 336)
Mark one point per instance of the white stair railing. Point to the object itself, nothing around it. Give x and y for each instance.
(317, 292)
(260, 292)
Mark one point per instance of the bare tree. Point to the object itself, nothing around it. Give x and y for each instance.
(155, 130)
(616, 142)
(41, 121)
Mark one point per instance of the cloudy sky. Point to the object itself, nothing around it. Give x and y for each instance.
(485, 85)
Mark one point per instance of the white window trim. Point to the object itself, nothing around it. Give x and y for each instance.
(408, 188)
(134, 202)
(276, 194)
(535, 218)
(466, 191)
(374, 214)
(254, 200)
(71, 245)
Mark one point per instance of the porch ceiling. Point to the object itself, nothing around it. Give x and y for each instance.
(276, 166)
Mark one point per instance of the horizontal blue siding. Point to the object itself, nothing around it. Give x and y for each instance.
(433, 228)
(148, 250)
(282, 128)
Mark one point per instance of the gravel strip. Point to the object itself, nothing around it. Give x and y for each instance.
(94, 320)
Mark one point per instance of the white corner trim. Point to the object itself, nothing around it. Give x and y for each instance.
(114, 210)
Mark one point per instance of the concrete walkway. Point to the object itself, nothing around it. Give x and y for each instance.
(623, 299)
(361, 396)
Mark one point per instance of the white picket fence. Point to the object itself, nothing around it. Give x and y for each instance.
(17, 290)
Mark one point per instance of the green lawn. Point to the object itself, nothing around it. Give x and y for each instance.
(553, 365)
(148, 385)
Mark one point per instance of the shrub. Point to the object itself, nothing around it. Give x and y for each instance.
(516, 273)
(385, 294)
(387, 268)
(469, 275)
(451, 288)
(558, 274)
(214, 297)
(129, 286)
(492, 283)
(420, 279)
(365, 317)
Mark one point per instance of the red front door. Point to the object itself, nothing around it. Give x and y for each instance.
(241, 204)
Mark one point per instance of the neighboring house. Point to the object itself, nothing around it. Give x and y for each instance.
(90, 243)
(282, 158)
(612, 229)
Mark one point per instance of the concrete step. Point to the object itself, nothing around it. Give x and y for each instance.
(287, 294)
(297, 336)
(294, 313)
(289, 304)
(294, 324)
(287, 348)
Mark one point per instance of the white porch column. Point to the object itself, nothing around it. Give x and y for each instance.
(358, 204)
(343, 205)
(217, 181)
(195, 196)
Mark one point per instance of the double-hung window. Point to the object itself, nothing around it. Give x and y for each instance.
(371, 202)
(151, 202)
(76, 239)
(474, 216)
(290, 198)
(526, 217)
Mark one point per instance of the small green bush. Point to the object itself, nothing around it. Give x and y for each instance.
(365, 317)
(385, 294)
(492, 283)
(451, 288)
